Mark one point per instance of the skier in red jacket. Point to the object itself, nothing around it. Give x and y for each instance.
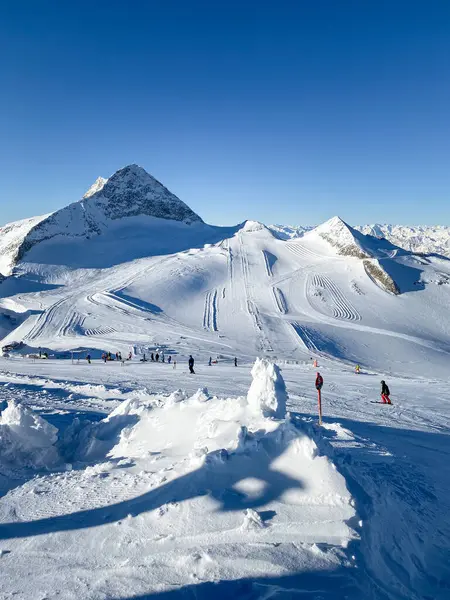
(319, 381)
(385, 393)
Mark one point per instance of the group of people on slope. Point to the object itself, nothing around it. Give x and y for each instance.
(385, 392)
(156, 357)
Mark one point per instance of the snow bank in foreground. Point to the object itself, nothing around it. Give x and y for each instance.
(267, 393)
(26, 439)
(211, 487)
(190, 423)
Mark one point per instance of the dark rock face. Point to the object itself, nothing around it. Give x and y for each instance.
(132, 191)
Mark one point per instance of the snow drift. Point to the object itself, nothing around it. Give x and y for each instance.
(26, 439)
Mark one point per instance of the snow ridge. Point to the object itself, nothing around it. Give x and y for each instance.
(98, 185)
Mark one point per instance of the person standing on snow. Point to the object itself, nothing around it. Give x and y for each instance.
(319, 381)
(209, 362)
(191, 365)
(235, 361)
(157, 357)
(385, 393)
(357, 369)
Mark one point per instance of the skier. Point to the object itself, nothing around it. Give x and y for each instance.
(315, 365)
(385, 393)
(235, 361)
(152, 357)
(174, 364)
(157, 357)
(169, 360)
(209, 362)
(104, 357)
(129, 356)
(319, 381)
(163, 357)
(357, 369)
(88, 358)
(191, 365)
(117, 356)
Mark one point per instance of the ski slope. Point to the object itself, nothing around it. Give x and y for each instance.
(249, 294)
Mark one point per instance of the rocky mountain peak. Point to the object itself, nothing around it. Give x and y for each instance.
(131, 191)
(95, 187)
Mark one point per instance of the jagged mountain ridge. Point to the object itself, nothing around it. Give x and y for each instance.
(98, 184)
(433, 239)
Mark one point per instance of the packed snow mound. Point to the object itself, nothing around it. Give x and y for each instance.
(26, 439)
(98, 184)
(130, 192)
(267, 393)
(245, 460)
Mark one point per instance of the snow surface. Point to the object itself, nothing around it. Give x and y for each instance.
(194, 494)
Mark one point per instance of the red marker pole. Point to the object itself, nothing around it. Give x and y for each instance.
(320, 406)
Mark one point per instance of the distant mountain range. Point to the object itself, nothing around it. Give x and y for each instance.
(432, 239)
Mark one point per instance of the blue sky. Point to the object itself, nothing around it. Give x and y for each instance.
(287, 112)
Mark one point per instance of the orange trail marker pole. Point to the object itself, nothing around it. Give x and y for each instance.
(320, 406)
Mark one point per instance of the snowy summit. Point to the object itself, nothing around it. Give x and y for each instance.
(95, 187)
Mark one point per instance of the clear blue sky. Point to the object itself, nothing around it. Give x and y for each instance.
(287, 112)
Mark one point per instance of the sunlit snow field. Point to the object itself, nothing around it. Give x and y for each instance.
(163, 484)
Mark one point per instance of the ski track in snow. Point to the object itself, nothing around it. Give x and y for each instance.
(304, 337)
(341, 307)
(210, 311)
(301, 251)
(269, 261)
(280, 300)
(251, 305)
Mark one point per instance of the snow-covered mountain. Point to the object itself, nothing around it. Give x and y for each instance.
(109, 204)
(131, 265)
(420, 239)
(289, 232)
